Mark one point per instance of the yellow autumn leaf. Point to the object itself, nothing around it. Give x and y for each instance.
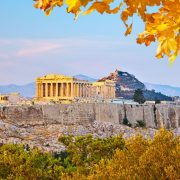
(129, 30)
(71, 4)
(161, 25)
(172, 58)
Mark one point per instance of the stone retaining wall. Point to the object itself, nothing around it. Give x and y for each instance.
(82, 114)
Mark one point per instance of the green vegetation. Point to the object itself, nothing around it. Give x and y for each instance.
(18, 163)
(126, 122)
(138, 96)
(140, 123)
(157, 101)
(95, 158)
(83, 151)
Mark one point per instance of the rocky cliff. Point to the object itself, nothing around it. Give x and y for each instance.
(127, 83)
(41, 125)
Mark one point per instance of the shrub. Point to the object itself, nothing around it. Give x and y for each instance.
(95, 158)
(141, 123)
(86, 150)
(17, 163)
(158, 158)
(126, 122)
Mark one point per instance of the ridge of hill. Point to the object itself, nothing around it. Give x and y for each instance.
(126, 84)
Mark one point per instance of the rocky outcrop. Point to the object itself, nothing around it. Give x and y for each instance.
(168, 116)
(126, 84)
(125, 81)
(46, 137)
(83, 113)
(41, 125)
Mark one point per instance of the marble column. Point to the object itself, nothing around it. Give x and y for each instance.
(67, 89)
(77, 89)
(56, 89)
(80, 90)
(46, 89)
(85, 90)
(51, 89)
(43, 90)
(59, 89)
(62, 89)
(72, 90)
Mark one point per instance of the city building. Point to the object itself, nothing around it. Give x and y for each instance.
(55, 87)
(3, 99)
(12, 99)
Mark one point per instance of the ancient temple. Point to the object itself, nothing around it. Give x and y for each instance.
(54, 87)
(104, 89)
(59, 87)
(3, 99)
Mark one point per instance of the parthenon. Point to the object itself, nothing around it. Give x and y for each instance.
(55, 87)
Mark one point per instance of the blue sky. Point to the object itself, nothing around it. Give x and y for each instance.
(32, 45)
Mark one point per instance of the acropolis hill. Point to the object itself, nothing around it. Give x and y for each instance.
(67, 105)
(41, 125)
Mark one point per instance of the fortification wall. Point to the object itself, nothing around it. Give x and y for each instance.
(82, 114)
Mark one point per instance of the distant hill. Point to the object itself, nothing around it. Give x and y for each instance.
(84, 77)
(124, 81)
(165, 89)
(27, 90)
(126, 84)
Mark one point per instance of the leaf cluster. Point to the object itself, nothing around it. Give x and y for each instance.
(95, 158)
(83, 151)
(18, 163)
(161, 25)
(158, 158)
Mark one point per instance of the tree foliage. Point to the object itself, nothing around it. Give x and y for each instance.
(138, 96)
(161, 25)
(84, 151)
(158, 158)
(95, 158)
(17, 163)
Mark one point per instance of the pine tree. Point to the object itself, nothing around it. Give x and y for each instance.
(138, 96)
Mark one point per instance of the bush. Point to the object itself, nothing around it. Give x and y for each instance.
(84, 151)
(17, 163)
(95, 158)
(158, 158)
(126, 122)
(141, 123)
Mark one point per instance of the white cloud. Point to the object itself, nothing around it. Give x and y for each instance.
(27, 48)
(37, 50)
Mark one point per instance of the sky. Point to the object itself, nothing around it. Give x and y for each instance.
(33, 45)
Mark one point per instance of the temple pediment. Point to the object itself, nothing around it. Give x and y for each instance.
(55, 77)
